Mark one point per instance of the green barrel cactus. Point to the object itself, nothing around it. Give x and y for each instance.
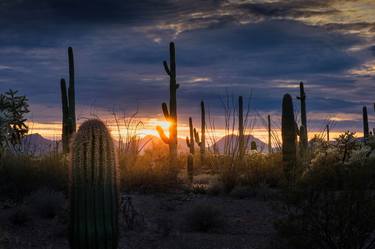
(94, 197)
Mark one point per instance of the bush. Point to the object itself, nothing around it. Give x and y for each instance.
(46, 203)
(20, 175)
(327, 219)
(203, 218)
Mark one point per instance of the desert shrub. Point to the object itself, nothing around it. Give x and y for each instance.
(199, 188)
(46, 203)
(215, 187)
(203, 217)
(20, 216)
(20, 175)
(327, 219)
(332, 205)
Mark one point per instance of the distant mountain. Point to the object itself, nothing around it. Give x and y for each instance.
(35, 144)
(232, 140)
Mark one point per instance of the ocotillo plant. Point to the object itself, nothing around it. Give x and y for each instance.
(171, 115)
(94, 199)
(288, 133)
(241, 136)
(269, 134)
(202, 140)
(303, 135)
(365, 123)
(327, 128)
(68, 105)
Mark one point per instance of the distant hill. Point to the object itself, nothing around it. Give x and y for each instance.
(36, 144)
(232, 140)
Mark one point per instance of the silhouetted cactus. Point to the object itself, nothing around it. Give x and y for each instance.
(171, 115)
(190, 141)
(190, 167)
(269, 134)
(288, 133)
(253, 146)
(303, 134)
(202, 140)
(241, 135)
(94, 199)
(68, 105)
(365, 123)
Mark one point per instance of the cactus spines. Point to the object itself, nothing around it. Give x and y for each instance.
(269, 134)
(288, 133)
(190, 141)
(171, 114)
(303, 135)
(202, 140)
(94, 199)
(241, 136)
(365, 123)
(68, 105)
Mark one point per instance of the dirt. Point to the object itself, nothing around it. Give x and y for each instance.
(159, 223)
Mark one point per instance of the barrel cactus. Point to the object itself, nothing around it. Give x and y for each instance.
(94, 201)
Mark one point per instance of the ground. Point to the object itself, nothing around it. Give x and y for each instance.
(160, 222)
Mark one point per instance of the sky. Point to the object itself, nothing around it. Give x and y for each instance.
(258, 49)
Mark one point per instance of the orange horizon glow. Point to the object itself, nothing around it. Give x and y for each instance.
(53, 130)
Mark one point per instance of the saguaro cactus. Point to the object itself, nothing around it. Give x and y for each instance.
(94, 199)
(202, 140)
(190, 141)
(190, 145)
(365, 123)
(68, 105)
(241, 136)
(171, 115)
(303, 134)
(289, 137)
(269, 134)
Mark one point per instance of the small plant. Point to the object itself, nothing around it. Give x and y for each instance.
(204, 218)
(46, 203)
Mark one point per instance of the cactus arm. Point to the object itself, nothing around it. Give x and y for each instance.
(166, 68)
(164, 107)
(187, 142)
(162, 135)
(196, 137)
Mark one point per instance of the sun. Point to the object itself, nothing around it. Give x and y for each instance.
(150, 127)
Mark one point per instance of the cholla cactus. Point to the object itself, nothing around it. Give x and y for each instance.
(94, 199)
(12, 121)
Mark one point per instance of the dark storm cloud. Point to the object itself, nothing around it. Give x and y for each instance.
(222, 46)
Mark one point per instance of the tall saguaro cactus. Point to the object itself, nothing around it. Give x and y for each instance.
(171, 114)
(202, 140)
(365, 123)
(68, 105)
(241, 135)
(269, 134)
(190, 145)
(303, 132)
(94, 201)
(190, 141)
(289, 137)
